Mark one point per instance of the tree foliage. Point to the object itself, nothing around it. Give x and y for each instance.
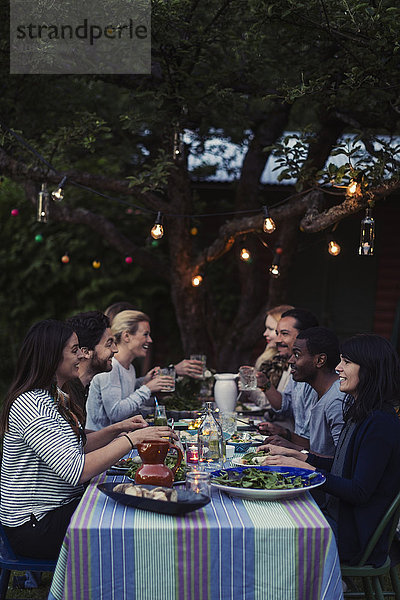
(234, 69)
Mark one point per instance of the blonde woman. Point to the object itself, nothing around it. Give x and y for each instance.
(118, 394)
(271, 322)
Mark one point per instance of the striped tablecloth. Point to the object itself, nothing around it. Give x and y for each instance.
(231, 549)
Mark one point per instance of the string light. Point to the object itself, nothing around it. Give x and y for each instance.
(43, 205)
(65, 259)
(245, 255)
(58, 194)
(269, 224)
(352, 188)
(334, 248)
(157, 230)
(197, 280)
(96, 264)
(367, 234)
(15, 212)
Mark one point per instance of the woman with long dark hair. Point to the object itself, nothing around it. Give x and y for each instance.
(364, 477)
(46, 456)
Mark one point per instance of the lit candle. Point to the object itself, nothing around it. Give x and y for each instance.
(192, 454)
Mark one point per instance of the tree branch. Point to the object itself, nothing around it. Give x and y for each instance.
(313, 223)
(19, 171)
(104, 228)
(235, 228)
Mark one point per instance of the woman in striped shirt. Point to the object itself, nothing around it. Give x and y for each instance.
(46, 455)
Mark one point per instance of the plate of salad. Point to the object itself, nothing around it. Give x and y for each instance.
(266, 483)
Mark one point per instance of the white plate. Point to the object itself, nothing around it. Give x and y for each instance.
(252, 494)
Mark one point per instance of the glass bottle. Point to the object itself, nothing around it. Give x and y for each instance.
(210, 441)
(367, 236)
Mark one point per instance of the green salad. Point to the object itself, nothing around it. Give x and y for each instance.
(254, 458)
(170, 462)
(262, 480)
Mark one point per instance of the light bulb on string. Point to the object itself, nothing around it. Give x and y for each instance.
(352, 188)
(367, 234)
(157, 230)
(274, 271)
(43, 205)
(197, 280)
(334, 248)
(245, 255)
(58, 194)
(269, 224)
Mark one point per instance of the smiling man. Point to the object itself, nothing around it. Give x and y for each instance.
(98, 347)
(297, 398)
(314, 358)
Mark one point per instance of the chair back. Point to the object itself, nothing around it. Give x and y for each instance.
(391, 516)
(6, 552)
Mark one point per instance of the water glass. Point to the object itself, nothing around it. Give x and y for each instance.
(228, 423)
(248, 378)
(198, 482)
(203, 359)
(160, 416)
(170, 371)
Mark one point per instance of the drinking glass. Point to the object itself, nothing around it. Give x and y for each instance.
(248, 378)
(198, 482)
(203, 359)
(170, 371)
(160, 416)
(228, 423)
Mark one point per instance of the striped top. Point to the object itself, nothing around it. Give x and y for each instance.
(42, 460)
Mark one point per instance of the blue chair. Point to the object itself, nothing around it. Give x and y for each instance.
(9, 561)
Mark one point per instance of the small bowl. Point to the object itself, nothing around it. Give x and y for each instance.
(240, 447)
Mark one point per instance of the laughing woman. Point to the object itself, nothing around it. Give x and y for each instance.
(46, 456)
(118, 394)
(364, 477)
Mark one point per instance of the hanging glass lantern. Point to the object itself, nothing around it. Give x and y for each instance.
(367, 235)
(43, 204)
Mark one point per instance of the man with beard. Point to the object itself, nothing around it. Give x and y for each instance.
(98, 347)
(297, 398)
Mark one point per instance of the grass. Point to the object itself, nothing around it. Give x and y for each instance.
(38, 593)
(42, 591)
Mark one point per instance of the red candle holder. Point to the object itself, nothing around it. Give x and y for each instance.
(192, 454)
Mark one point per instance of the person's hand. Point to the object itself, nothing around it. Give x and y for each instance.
(152, 434)
(160, 383)
(262, 380)
(273, 429)
(277, 440)
(191, 368)
(272, 449)
(286, 461)
(151, 374)
(133, 423)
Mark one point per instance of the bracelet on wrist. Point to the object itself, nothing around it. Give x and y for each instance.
(129, 439)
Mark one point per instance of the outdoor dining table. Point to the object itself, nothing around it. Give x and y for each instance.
(231, 548)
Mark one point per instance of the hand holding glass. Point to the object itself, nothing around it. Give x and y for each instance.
(248, 378)
(202, 358)
(169, 372)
